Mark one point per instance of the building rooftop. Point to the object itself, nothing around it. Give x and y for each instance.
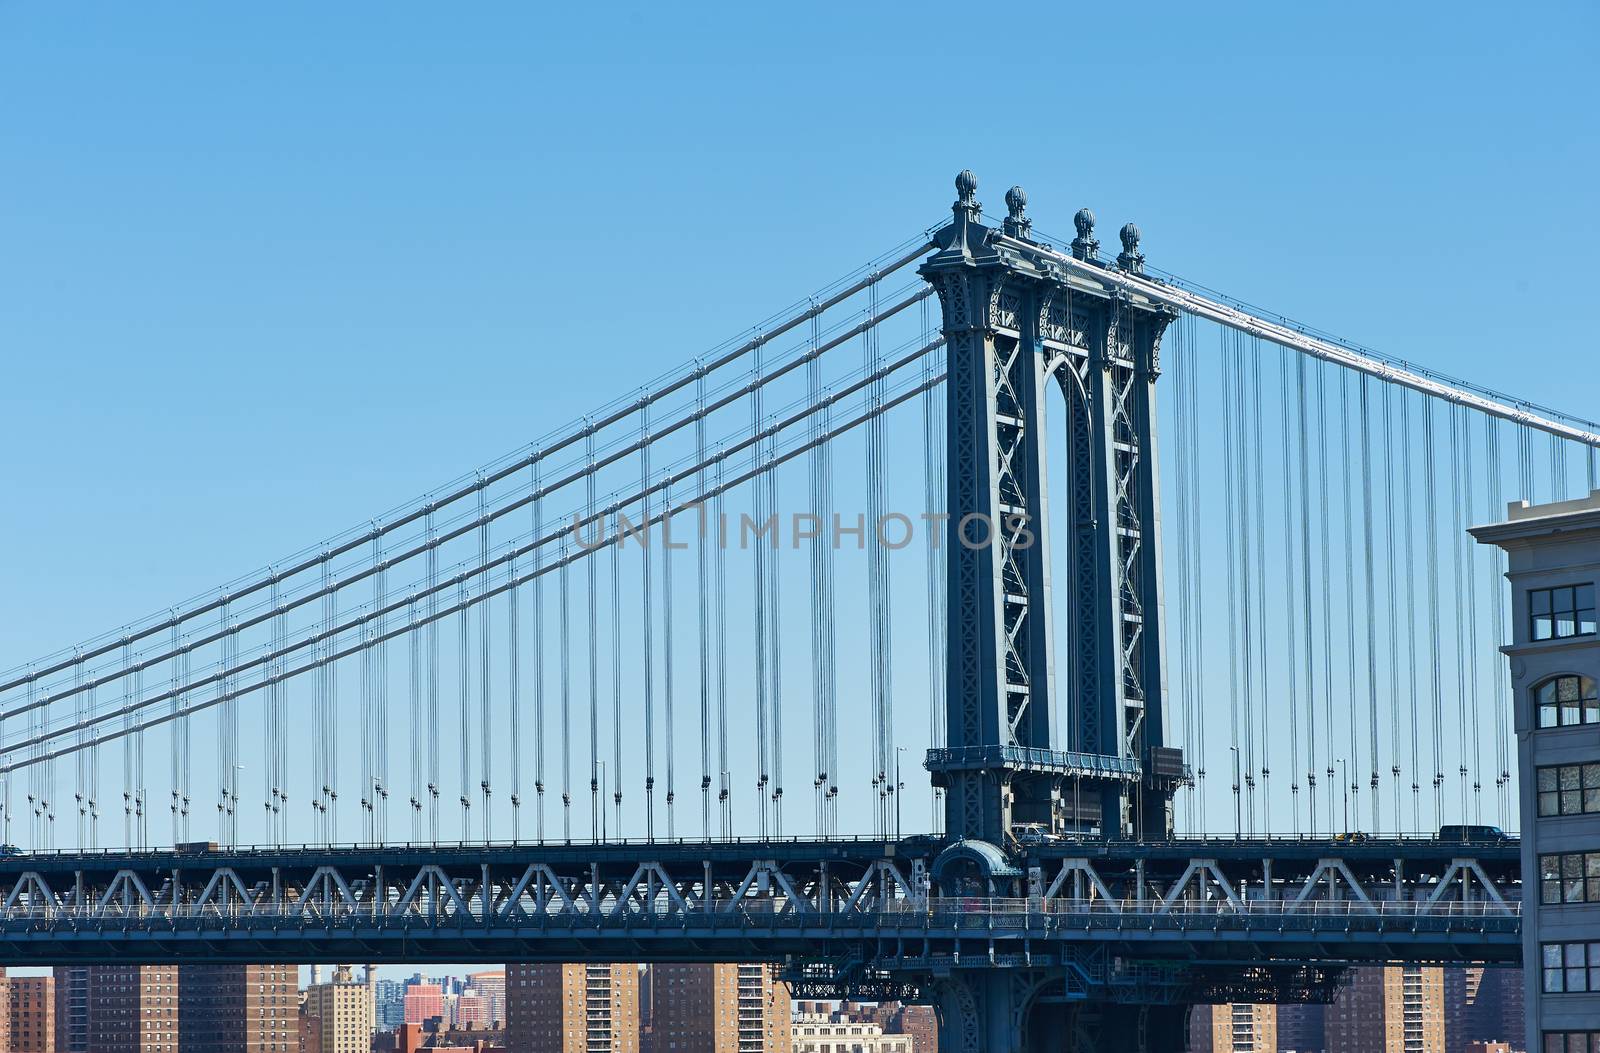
(1524, 520)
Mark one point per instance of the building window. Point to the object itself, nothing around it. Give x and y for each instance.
(1555, 614)
(1570, 877)
(1571, 1042)
(1564, 701)
(1569, 789)
(1571, 968)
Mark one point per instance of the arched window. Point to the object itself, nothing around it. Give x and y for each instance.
(1567, 700)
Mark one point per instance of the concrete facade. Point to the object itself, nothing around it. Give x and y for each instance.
(1553, 565)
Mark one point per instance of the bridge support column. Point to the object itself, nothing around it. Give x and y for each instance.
(1035, 1011)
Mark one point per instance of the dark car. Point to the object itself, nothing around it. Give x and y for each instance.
(1479, 834)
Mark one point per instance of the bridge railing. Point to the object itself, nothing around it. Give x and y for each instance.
(1258, 908)
(938, 912)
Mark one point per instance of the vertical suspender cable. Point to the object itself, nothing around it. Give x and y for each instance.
(830, 634)
(485, 643)
(537, 510)
(323, 776)
(464, 708)
(1302, 415)
(1431, 488)
(616, 680)
(1349, 587)
(1370, 595)
(1242, 408)
(724, 800)
(774, 607)
(591, 566)
(1471, 640)
(414, 645)
(702, 604)
(176, 708)
(566, 695)
(1199, 591)
(368, 718)
(1412, 663)
(1458, 561)
(1525, 463)
(758, 498)
(1230, 503)
(818, 702)
(1323, 487)
(881, 639)
(514, 695)
(380, 687)
(666, 656)
(433, 678)
(1493, 491)
(1291, 624)
(647, 607)
(1259, 458)
(1390, 562)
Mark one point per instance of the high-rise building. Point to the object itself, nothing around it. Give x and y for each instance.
(5, 1024)
(1238, 1027)
(33, 1014)
(472, 1010)
(72, 1008)
(921, 1023)
(491, 987)
(722, 1008)
(1552, 552)
(132, 1008)
(388, 1004)
(345, 1008)
(238, 1008)
(572, 1008)
(423, 1001)
(1482, 1005)
(1300, 1028)
(310, 1034)
(1393, 1009)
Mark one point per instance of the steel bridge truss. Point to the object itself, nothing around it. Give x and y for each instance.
(876, 907)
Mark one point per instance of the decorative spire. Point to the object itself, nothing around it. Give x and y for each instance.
(1084, 246)
(1130, 259)
(967, 196)
(1018, 225)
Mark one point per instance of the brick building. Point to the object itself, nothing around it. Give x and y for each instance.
(572, 1008)
(32, 1019)
(722, 1008)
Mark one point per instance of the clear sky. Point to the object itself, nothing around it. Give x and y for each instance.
(265, 271)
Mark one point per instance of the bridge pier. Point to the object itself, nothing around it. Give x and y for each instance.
(1035, 1011)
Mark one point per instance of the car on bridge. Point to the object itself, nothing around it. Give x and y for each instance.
(1479, 834)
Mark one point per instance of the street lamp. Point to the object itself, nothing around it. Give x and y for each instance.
(1345, 785)
(899, 788)
(1238, 807)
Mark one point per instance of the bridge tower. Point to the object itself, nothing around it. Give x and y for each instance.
(1024, 323)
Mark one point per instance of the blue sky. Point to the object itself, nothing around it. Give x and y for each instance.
(265, 272)
(268, 271)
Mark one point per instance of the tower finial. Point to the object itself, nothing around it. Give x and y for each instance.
(1018, 225)
(967, 195)
(1084, 246)
(1130, 259)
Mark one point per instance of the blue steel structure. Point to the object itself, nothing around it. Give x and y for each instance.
(1057, 910)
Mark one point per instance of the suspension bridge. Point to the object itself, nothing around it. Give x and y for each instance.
(873, 641)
